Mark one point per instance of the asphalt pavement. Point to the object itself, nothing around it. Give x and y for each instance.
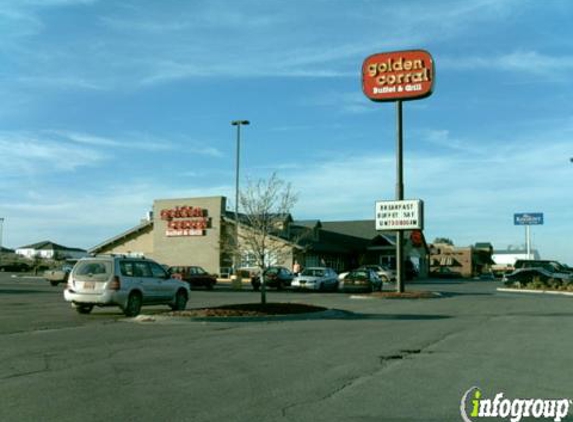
(363, 360)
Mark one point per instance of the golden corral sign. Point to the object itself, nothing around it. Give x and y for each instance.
(399, 75)
(185, 221)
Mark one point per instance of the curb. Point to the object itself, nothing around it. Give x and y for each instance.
(326, 314)
(548, 292)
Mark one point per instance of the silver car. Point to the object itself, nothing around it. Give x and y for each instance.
(316, 278)
(117, 280)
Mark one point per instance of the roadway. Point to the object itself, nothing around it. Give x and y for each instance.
(366, 360)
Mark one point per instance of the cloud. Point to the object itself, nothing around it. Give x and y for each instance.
(29, 154)
(525, 62)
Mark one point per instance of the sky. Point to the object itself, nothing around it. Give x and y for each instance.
(109, 105)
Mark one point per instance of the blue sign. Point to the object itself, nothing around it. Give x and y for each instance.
(527, 218)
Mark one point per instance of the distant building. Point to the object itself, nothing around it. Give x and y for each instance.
(50, 250)
(508, 257)
(468, 261)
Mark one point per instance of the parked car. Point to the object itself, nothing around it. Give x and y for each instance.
(523, 276)
(60, 275)
(445, 272)
(194, 275)
(278, 277)
(117, 280)
(362, 279)
(386, 274)
(316, 278)
(549, 265)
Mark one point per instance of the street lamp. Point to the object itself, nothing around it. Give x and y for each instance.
(1, 228)
(237, 123)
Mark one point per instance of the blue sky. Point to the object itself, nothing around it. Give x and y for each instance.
(108, 105)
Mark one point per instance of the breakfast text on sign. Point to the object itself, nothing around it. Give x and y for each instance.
(399, 215)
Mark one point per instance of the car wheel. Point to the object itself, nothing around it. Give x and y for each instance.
(321, 287)
(209, 286)
(54, 283)
(280, 285)
(133, 305)
(84, 309)
(180, 302)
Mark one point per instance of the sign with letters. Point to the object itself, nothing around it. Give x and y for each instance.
(400, 215)
(399, 75)
(528, 218)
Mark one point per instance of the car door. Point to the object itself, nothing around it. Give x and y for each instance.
(164, 286)
(332, 279)
(142, 272)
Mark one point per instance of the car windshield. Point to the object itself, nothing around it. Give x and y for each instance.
(97, 270)
(313, 272)
(358, 275)
(199, 270)
(272, 271)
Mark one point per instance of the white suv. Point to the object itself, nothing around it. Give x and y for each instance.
(117, 280)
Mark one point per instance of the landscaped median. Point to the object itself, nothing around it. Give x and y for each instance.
(535, 290)
(553, 286)
(422, 294)
(246, 312)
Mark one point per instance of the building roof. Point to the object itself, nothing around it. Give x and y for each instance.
(365, 229)
(144, 224)
(48, 245)
(311, 224)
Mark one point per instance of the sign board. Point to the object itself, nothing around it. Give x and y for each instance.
(400, 215)
(527, 218)
(185, 221)
(399, 75)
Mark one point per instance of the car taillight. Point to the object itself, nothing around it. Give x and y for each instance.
(114, 284)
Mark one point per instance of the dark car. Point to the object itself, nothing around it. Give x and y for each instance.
(524, 276)
(194, 275)
(278, 277)
(361, 280)
(548, 265)
(445, 272)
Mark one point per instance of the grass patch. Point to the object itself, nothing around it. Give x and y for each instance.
(250, 310)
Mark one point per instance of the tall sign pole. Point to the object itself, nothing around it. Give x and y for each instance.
(398, 76)
(528, 219)
(399, 196)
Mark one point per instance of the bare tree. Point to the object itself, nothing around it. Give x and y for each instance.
(265, 207)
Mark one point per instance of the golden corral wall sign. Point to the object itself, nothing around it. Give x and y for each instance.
(399, 75)
(185, 221)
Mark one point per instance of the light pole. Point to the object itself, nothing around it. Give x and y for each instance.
(1, 233)
(237, 123)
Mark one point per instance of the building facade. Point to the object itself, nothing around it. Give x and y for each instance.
(200, 231)
(468, 261)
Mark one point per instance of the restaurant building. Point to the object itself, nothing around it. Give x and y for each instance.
(197, 231)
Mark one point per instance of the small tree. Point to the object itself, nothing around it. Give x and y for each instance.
(445, 240)
(264, 204)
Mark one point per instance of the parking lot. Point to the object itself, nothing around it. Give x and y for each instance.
(363, 360)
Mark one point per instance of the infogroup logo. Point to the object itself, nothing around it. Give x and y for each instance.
(473, 407)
